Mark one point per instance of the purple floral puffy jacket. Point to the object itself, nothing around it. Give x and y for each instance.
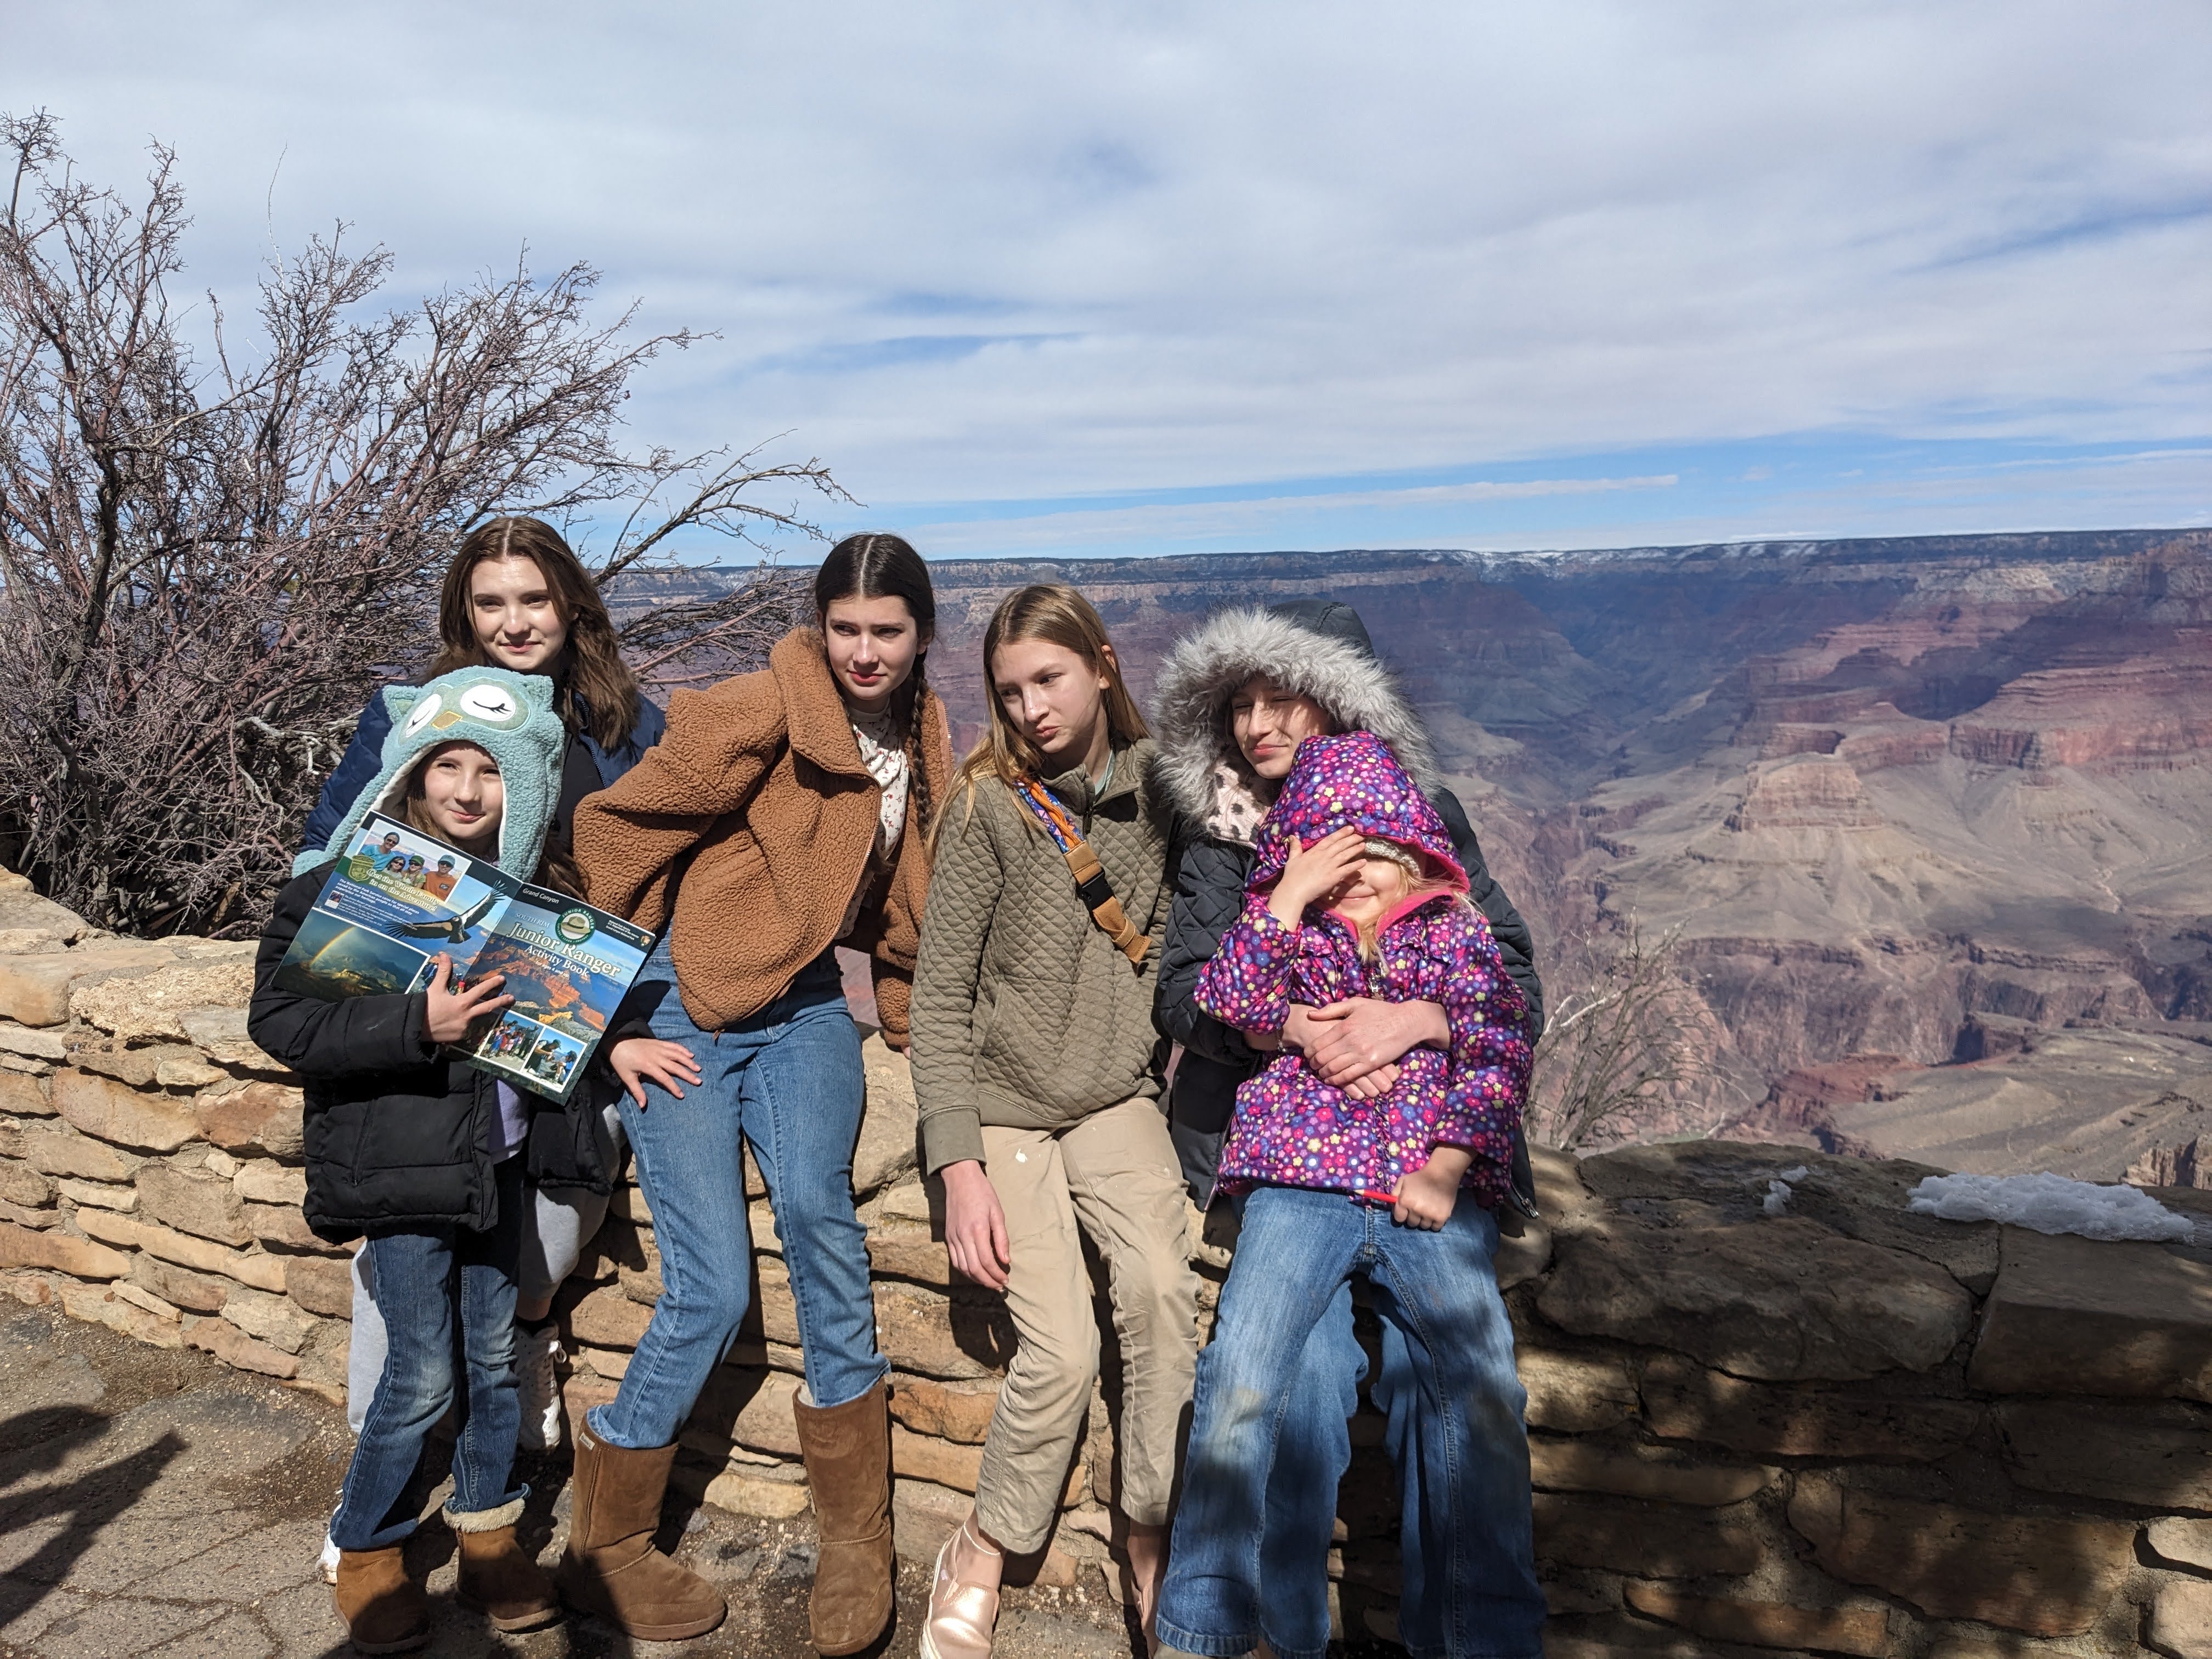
(1292, 1129)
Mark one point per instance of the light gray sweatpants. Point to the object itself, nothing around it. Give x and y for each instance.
(554, 1231)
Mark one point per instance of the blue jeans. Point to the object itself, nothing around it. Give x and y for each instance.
(422, 1278)
(789, 1081)
(556, 1224)
(1469, 1578)
(1313, 1448)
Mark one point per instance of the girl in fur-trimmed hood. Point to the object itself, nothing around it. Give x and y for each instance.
(1234, 699)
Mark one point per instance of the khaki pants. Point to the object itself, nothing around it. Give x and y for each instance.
(1113, 1174)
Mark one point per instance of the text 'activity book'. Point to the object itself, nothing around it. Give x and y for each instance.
(399, 897)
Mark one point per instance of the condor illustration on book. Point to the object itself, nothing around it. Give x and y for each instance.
(454, 929)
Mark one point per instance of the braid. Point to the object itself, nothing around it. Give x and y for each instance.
(917, 775)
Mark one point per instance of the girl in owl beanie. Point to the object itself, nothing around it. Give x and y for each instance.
(424, 1157)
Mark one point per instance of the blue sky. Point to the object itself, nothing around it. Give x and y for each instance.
(1069, 279)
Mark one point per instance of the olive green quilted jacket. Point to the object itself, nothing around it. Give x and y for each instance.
(1024, 1013)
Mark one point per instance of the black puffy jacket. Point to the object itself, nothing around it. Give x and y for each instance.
(1319, 648)
(399, 1137)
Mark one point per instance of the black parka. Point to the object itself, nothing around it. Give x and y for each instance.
(399, 1136)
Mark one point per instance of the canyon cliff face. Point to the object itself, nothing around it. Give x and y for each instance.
(1881, 791)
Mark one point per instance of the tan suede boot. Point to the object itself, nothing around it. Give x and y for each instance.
(497, 1578)
(384, 1610)
(611, 1569)
(847, 1450)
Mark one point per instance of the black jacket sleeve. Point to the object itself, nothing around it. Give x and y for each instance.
(1515, 943)
(363, 759)
(1209, 892)
(318, 1038)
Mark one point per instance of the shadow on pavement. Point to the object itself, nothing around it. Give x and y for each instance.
(48, 1437)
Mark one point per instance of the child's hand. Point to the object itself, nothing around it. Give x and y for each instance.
(635, 1059)
(451, 1013)
(1373, 1086)
(1427, 1197)
(975, 1225)
(1313, 872)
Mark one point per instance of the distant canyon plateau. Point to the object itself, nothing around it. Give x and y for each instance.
(1926, 816)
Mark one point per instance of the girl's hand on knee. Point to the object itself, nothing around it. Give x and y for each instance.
(1427, 1197)
(636, 1060)
(975, 1225)
(449, 1012)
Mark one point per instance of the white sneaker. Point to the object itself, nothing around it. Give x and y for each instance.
(537, 1355)
(329, 1561)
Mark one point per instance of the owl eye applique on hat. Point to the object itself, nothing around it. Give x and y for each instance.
(484, 702)
(423, 714)
(493, 704)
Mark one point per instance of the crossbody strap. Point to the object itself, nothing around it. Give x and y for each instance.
(1090, 883)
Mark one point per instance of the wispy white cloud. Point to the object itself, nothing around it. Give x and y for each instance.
(1169, 523)
(974, 252)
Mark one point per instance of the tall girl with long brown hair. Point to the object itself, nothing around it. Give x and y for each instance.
(1037, 1071)
(515, 597)
(785, 812)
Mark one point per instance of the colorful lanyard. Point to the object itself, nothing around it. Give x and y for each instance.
(1090, 883)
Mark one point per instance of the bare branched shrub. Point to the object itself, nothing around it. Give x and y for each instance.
(1627, 1038)
(685, 629)
(206, 562)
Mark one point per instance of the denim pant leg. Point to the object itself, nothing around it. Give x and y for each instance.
(558, 1222)
(491, 1406)
(1312, 1451)
(1297, 1251)
(690, 1162)
(365, 1349)
(1457, 1425)
(804, 1094)
(1396, 1393)
(413, 1275)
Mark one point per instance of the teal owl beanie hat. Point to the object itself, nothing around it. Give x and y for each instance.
(507, 715)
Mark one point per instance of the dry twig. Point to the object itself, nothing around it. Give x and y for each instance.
(1624, 1038)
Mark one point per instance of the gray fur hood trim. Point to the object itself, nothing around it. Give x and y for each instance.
(1194, 687)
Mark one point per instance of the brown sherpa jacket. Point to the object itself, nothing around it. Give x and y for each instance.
(756, 798)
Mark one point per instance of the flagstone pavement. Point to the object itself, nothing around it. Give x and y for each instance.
(155, 1503)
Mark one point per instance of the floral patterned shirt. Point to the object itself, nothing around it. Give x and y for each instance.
(1292, 1129)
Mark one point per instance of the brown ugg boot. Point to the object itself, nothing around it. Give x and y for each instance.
(384, 1610)
(847, 1450)
(611, 1569)
(498, 1579)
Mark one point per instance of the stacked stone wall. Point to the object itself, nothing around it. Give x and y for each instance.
(1841, 1429)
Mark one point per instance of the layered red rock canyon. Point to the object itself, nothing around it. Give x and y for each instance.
(1883, 791)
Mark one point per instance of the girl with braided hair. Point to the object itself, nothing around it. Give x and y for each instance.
(785, 812)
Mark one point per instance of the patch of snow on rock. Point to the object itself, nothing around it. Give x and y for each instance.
(1778, 1192)
(2049, 1204)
